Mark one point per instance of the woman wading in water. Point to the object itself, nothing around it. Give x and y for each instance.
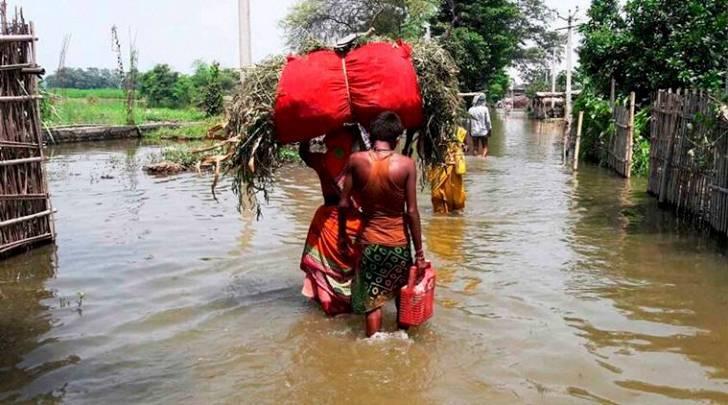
(384, 183)
(328, 271)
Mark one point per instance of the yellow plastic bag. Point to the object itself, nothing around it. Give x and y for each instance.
(460, 166)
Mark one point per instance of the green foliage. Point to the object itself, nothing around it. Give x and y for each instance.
(91, 78)
(499, 86)
(161, 87)
(213, 103)
(487, 36)
(654, 44)
(597, 125)
(641, 146)
(181, 154)
(482, 36)
(326, 21)
(289, 154)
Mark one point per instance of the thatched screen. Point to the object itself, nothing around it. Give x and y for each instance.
(25, 209)
(689, 156)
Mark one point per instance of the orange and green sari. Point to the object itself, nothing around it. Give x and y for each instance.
(329, 272)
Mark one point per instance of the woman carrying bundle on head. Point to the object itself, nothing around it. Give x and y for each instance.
(328, 271)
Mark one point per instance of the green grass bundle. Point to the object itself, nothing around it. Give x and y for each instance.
(251, 153)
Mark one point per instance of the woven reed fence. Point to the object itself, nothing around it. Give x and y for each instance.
(619, 150)
(25, 208)
(689, 157)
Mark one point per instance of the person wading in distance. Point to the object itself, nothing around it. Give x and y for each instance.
(384, 183)
(480, 125)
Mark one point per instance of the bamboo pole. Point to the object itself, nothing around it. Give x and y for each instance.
(9, 99)
(16, 66)
(27, 241)
(23, 197)
(612, 93)
(17, 38)
(38, 135)
(26, 218)
(630, 136)
(20, 161)
(11, 144)
(578, 140)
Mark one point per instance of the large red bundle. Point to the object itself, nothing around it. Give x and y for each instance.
(382, 78)
(321, 91)
(311, 97)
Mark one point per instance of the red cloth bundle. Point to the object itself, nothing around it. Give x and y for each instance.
(320, 92)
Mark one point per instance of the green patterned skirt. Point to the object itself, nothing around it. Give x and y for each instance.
(382, 271)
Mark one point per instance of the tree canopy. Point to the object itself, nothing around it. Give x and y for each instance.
(487, 36)
(329, 20)
(91, 78)
(484, 36)
(651, 44)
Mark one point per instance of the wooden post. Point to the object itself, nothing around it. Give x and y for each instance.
(578, 140)
(613, 93)
(630, 136)
(246, 57)
(39, 132)
(666, 165)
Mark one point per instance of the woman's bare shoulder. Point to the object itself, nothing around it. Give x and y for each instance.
(358, 157)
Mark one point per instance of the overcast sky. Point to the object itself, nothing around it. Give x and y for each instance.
(176, 32)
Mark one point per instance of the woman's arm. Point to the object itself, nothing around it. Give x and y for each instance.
(413, 214)
(304, 151)
(344, 206)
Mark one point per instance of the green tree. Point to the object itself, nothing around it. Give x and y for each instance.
(652, 44)
(329, 20)
(201, 75)
(163, 87)
(214, 102)
(487, 36)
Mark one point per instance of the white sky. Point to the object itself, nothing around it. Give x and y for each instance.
(176, 32)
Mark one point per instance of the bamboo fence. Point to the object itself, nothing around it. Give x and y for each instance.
(689, 157)
(25, 208)
(619, 150)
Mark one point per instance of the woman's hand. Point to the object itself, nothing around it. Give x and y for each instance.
(421, 264)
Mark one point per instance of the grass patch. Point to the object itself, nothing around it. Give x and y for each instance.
(182, 154)
(76, 111)
(192, 132)
(85, 93)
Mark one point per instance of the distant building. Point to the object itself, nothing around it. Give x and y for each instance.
(549, 105)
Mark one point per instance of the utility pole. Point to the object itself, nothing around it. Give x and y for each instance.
(554, 71)
(246, 57)
(569, 66)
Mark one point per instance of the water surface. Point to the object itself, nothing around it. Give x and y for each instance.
(554, 288)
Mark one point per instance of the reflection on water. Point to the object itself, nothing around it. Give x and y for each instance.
(554, 288)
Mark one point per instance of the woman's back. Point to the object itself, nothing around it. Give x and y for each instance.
(379, 186)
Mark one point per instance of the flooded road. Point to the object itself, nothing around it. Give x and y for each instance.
(554, 288)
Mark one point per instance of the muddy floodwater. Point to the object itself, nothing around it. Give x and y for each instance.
(554, 288)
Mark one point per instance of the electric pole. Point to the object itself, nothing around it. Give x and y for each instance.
(569, 66)
(246, 58)
(554, 71)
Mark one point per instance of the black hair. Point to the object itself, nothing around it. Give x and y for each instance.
(387, 127)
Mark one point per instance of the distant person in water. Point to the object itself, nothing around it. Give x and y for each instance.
(385, 185)
(328, 271)
(480, 125)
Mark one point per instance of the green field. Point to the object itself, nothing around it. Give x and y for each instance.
(84, 93)
(104, 111)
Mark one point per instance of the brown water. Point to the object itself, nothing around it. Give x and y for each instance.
(554, 288)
